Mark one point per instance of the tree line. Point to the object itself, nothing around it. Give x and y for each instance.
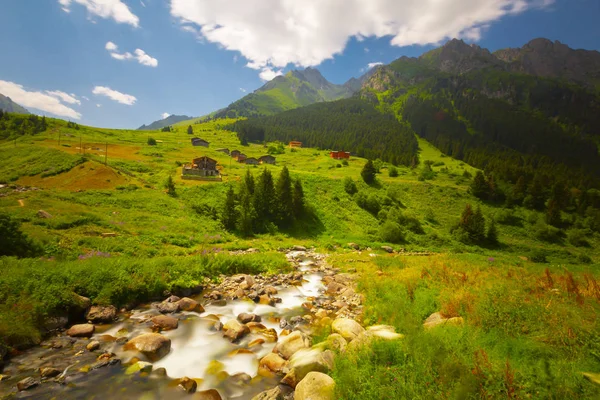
(14, 125)
(351, 125)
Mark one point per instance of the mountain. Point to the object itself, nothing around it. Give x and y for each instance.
(170, 120)
(6, 104)
(289, 91)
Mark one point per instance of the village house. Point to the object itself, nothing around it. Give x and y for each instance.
(201, 168)
(235, 153)
(251, 161)
(225, 151)
(338, 155)
(268, 159)
(294, 143)
(199, 142)
(241, 157)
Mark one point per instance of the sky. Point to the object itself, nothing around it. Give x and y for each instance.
(124, 63)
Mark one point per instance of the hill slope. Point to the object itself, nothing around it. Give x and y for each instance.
(6, 104)
(170, 120)
(289, 91)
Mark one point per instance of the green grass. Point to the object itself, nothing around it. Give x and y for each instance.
(32, 160)
(525, 335)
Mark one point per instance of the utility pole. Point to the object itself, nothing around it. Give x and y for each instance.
(106, 153)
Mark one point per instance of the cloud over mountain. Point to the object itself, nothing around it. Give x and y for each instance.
(49, 101)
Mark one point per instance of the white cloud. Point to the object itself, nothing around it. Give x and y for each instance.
(85, 98)
(371, 65)
(115, 95)
(38, 100)
(243, 90)
(143, 4)
(139, 55)
(274, 33)
(115, 9)
(64, 97)
(98, 105)
(267, 74)
(165, 115)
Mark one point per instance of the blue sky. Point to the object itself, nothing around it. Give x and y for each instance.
(123, 63)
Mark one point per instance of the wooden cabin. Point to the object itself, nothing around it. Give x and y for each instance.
(268, 159)
(339, 155)
(294, 143)
(199, 142)
(251, 161)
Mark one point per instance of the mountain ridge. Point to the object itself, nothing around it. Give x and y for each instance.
(7, 105)
(161, 123)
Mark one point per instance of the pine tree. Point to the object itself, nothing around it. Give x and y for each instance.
(285, 206)
(298, 198)
(478, 226)
(535, 194)
(553, 213)
(492, 189)
(561, 195)
(229, 214)
(368, 172)
(264, 198)
(479, 186)
(246, 213)
(249, 182)
(492, 233)
(190, 130)
(170, 186)
(519, 190)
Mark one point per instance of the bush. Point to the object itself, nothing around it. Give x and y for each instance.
(13, 242)
(538, 256)
(393, 172)
(578, 237)
(546, 232)
(350, 186)
(151, 141)
(584, 259)
(391, 232)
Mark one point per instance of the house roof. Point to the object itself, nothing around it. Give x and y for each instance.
(205, 158)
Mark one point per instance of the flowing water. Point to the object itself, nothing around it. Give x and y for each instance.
(197, 351)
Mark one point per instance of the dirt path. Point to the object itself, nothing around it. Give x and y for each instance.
(21, 203)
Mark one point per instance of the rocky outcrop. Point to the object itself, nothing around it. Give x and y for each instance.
(347, 328)
(101, 314)
(152, 345)
(315, 386)
(81, 330)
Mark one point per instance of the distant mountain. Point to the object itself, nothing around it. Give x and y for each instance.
(6, 104)
(292, 90)
(170, 120)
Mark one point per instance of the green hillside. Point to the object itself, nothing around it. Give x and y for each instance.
(294, 89)
(7, 105)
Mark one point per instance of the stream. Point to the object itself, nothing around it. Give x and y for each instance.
(198, 351)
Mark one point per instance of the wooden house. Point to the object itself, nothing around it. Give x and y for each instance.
(268, 159)
(241, 157)
(201, 168)
(199, 142)
(235, 153)
(294, 143)
(224, 151)
(339, 155)
(251, 161)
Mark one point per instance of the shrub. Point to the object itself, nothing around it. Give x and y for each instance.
(345, 163)
(393, 172)
(13, 242)
(578, 237)
(546, 232)
(584, 259)
(390, 232)
(350, 186)
(538, 256)
(151, 141)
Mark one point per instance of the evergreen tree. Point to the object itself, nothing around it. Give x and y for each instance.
(535, 194)
(229, 213)
(561, 195)
(190, 130)
(170, 186)
(553, 213)
(298, 198)
(285, 204)
(264, 199)
(492, 189)
(368, 172)
(492, 233)
(249, 182)
(519, 190)
(480, 187)
(478, 226)
(13, 242)
(246, 213)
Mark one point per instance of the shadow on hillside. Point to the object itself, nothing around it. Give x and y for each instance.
(307, 226)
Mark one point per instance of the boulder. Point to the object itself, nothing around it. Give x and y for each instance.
(80, 303)
(49, 372)
(266, 300)
(291, 343)
(354, 246)
(188, 385)
(244, 318)
(27, 383)
(348, 328)
(93, 345)
(167, 307)
(153, 345)
(270, 290)
(309, 360)
(387, 249)
(272, 362)
(277, 393)
(385, 332)
(56, 322)
(234, 331)
(172, 299)
(81, 330)
(336, 342)
(44, 214)
(437, 319)
(211, 394)
(335, 288)
(165, 322)
(140, 366)
(298, 248)
(315, 386)
(101, 314)
(187, 304)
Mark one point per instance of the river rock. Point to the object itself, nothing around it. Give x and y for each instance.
(244, 318)
(93, 345)
(348, 328)
(277, 393)
(188, 385)
(291, 343)
(27, 383)
(172, 299)
(233, 330)
(165, 322)
(79, 303)
(270, 290)
(81, 330)
(273, 362)
(315, 386)
(335, 288)
(336, 342)
(437, 319)
(266, 300)
(56, 322)
(101, 314)
(211, 394)
(308, 360)
(385, 332)
(49, 372)
(153, 345)
(167, 307)
(387, 249)
(187, 304)
(140, 366)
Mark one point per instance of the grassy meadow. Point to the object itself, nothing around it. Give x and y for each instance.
(530, 328)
